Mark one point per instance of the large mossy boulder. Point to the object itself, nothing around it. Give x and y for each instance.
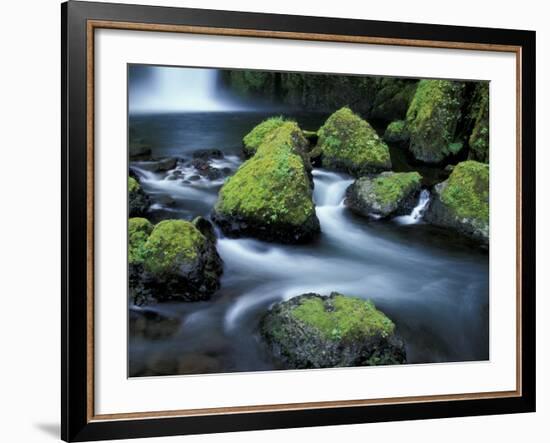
(479, 114)
(388, 194)
(392, 98)
(462, 201)
(350, 144)
(270, 196)
(432, 120)
(138, 201)
(253, 140)
(172, 261)
(314, 331)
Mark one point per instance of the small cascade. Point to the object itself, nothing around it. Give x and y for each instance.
(418, 211)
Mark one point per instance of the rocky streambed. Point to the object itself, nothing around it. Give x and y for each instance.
(303, 241)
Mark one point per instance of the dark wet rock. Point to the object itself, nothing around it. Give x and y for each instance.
(208, 154)
(169, 364)
(270, 196)
(384, 195)
(151, 325)
(139, 151)
(205, 169)
(138, 201)
(161, 165)
(462, 201)
(205, 227)
(314, 331)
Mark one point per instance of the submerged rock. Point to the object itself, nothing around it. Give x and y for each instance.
(138, 201)
(432, 120)
(348, 143)
(270, 196)
(462, 201)
(390, 193)
(172, 261)
(314, 331)
(253, 140)
(151, 325)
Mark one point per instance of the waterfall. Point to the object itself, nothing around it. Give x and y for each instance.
(418, 211)
(154, 89)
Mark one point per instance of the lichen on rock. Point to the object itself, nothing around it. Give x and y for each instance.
(270, 195)
(389, 193)
(432, 119)
(314, 331)
(350, 144)
(462, 201)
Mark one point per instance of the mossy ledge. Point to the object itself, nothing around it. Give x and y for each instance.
(432, 119)
(172, 260)
(350, 144)
(270, 196)
(462, 201)
(315, 331)
(388, 194)
(479, 138)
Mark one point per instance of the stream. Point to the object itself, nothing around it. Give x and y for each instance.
(430, 282)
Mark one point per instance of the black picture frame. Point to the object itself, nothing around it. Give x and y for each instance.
(76, 423)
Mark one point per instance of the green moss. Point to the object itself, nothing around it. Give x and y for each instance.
(350, 143)
(171, 245)
(392, 98)
(139, 230)
(392, 187)
(343, 317)
(466, 192)
(479, 138)
(253, 140)
(272, 186)
(432, 119)
(396, 131)
(133, 185)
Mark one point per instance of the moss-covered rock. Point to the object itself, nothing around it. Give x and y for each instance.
(392, 98)
(348, 143)
(432, 120)
(138, 201)
(314, 331)
(139, 230)
(388, 194)
(270, 197)
(479, 137)
(253, 140)
(462, 201)
(177, 260)
(396, 132)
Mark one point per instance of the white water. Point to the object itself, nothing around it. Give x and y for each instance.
(418, 211)
(175, 89)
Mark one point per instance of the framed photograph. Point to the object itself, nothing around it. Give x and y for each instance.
(277, 221)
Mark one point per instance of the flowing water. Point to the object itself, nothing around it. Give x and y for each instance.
(433, 284)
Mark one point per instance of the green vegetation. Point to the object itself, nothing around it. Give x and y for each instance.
(133, 185)
(342, 318)
(253, 140)
(479, 138)
(139, 230)
(171, 245)
(396, 131)
(350, 144)
(466, 192)
(272, 186)
(392, 98)
(392, 187)
(432, 119)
